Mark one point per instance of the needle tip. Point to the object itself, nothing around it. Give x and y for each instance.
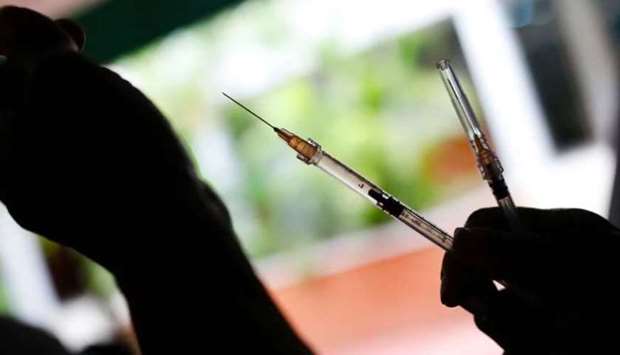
(249, 111)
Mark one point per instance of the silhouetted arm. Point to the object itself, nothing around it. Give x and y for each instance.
(91, 163)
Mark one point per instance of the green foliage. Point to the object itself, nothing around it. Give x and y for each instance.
(380, 110)
(372, 111)
(4, 302)
(100, 281)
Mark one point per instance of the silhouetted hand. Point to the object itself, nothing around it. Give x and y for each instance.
(559, 299)
(87, 159)
(28, 37)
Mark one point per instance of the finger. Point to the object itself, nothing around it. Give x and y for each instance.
(74, 31)
(17, 24)
(501, 255)
(7, 29)
(538, 220)
(26, 33)
(462, 285)
(515, 324)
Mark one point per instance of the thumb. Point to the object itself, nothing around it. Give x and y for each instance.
(26, 35)
(75, 32)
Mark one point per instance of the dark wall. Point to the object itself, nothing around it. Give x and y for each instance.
(120, 26)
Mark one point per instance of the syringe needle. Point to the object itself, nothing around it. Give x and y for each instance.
(250, 111)
(306, 151)
(311, 153)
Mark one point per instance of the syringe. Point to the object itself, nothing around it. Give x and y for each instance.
(488, 163)
(311, 153)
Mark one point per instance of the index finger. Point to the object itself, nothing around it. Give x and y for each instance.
(540, 220)
(501, 255)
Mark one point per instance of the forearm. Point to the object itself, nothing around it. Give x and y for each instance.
(199, 291)
(119, 188)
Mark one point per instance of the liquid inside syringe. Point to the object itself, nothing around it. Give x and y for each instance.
(311, 153)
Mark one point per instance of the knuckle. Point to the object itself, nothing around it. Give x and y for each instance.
(482, 217)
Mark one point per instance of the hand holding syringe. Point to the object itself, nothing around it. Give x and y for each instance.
(311, 153)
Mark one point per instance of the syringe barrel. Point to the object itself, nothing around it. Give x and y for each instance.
(381, 199)
(489, 165)
(461, 104)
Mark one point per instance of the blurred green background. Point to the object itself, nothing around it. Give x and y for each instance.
(372, 99)
(381, 109)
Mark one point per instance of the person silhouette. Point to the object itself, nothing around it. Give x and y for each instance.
(89, 162)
